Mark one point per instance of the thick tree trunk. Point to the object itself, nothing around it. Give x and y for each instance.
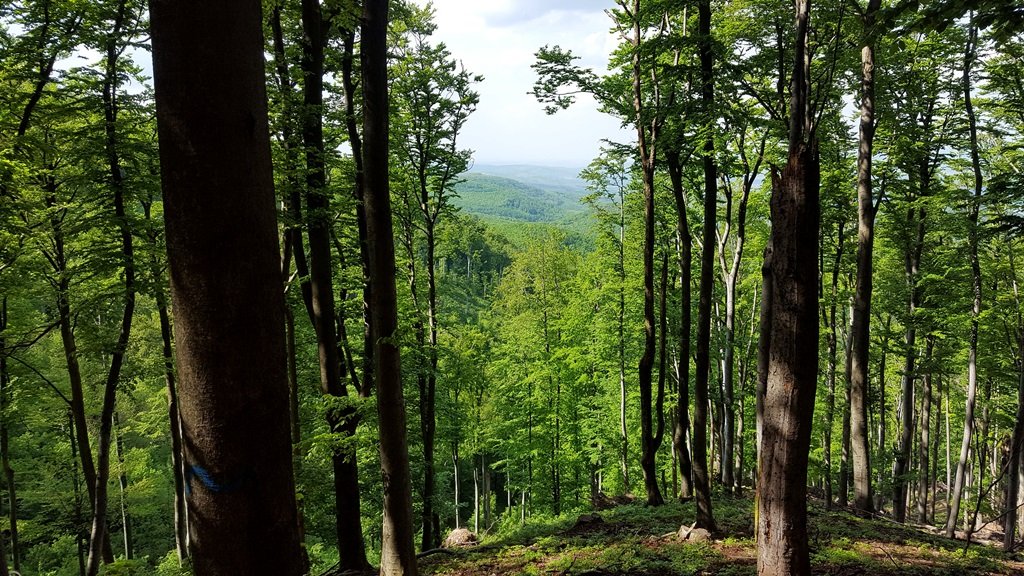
(223, 255)
(860, 330)
(397, 552)
(782, 540)
(789, 399)
(701, 477)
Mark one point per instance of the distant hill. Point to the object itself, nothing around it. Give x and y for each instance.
(495, 196)
(551, 178)
(521, 201)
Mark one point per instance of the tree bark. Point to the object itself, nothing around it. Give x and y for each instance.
(348, 520)
(1017, 439)
(223, 254)
(174, 422)
(397, 552)
(701, 479)
(782, 540)
(970, 56)
(685, 243)
(122, 480)
(924, 430)
(98, 539)
(5, 451)
(860, 329)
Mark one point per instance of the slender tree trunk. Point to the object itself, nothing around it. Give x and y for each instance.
(844, 456)
(174, 422)
(1017, 440)
(428, 423)
(623, 428)
(830, 374)
(860, 330)
(782, 540)
(348, 523)
(972, 357)
(701, 478)
(122, 480)
(685, 243)
(397, 552)
(223, 254)
(924, 440)
(880, 459)
(5, 450)
(647, 138)
(99, 538)
(76, 514)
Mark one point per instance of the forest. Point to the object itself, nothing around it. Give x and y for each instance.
(258, 315)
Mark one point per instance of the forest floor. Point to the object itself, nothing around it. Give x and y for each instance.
(634, 539)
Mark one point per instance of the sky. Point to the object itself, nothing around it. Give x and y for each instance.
(498, 39)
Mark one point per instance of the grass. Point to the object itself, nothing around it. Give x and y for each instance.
(635, 539)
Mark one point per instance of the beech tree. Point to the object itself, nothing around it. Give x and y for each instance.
(397, 552)
(791, 373)
(223, 256)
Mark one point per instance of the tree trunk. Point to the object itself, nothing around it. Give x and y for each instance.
(98, 539)
(701, 479)
(829, 315)
(880, 460)
(623, 428)
(428, 425)
(348, 522)
(972, 357)
(1017, 440)
(924, 441)
(782, 539)
(174, 422)
(5, 451)
(223, 254)
(397, 552)
(122, 480)
(860, 330)
(685, 243)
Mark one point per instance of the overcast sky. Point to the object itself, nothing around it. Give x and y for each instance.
(498, 38)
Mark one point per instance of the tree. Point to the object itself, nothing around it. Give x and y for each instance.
(433, 97)
(860, 329)
(701, 477)
(397, 552)
(223, 256)
(792, 373)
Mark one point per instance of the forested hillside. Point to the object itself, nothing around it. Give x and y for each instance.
(260, 313)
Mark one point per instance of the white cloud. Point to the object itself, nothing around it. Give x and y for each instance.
(498, 39)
